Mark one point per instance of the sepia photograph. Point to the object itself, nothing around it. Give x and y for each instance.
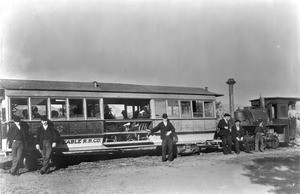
(150, 96)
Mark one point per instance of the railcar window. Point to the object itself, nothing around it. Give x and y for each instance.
(126, 108)
(283, 111)
(58, 108)
(173, 108)
(209, 109)
(186, 109)
(76, 108)
(38, 107)
(19, 107)
(197, 108)
(160, 108)
(93, 108)
(3, 111)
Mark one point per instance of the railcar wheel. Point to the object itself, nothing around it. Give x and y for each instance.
(31, 162)
(275, 143)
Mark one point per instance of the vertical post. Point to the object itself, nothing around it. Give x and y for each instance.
(68, 108)
(49, 108)
(231, 82)
(101, 109)
(29, 109)
(152, 108)
(84, 109)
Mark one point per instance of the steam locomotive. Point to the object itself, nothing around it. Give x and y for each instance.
(274, 111)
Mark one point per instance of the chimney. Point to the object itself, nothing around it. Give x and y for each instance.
(231, 82)
(206, 88)
(95, 84)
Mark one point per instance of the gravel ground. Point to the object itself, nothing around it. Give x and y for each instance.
(274, 171)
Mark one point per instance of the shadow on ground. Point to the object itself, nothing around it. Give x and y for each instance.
(281, 173)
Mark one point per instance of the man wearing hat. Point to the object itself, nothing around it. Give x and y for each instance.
(47, 138)
(259, 132)
(166, 134)
(224, 133)
(238, 134)
(18, 134)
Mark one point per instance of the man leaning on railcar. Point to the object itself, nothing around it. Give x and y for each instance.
(224, 133)
(18, 135)
(166, 134)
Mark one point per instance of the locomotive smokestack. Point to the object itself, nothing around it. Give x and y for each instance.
(231, 82)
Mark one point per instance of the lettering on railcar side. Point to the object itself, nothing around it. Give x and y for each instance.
(82, 141)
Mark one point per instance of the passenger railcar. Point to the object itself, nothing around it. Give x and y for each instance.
(93, 117)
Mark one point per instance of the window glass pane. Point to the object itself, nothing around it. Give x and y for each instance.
(76, 108)
(173, 108)
(19, 107)
(197, 108)
(38, 107)
(58, 108)
(186, 109)
(93, 108)
(160, 108)
(282, 110)
(209, 109)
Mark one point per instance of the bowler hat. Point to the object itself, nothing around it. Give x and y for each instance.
(17, 119)
(226, 115)
(237, 121)
(165, 116)
(44, 118)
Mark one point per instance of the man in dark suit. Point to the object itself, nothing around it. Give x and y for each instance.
(260, 132)
(18, 135)
(47, 139)
(166, 134)
(224, 133)
(238, 135)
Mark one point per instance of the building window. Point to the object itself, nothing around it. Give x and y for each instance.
(38, 107)
(209, 109)
(19, 107)
(58, 108)
(76, 108)
(173, 108)
(198, 109)
(186, 109)
(93, 108)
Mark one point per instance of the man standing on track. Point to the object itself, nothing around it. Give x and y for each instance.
(18, 134)
(47, 138)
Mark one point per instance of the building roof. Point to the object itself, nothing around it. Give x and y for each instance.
(12, 84)
(277, 98)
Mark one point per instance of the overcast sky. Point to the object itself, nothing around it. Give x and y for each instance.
(195, 43)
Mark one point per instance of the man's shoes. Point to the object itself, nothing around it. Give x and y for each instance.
(42, 172)
(15, 173)
(164, 160)
(47, 171)
(237, 153)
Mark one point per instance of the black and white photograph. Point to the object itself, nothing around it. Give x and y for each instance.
(150, 96)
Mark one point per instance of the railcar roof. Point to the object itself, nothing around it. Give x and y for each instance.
(13, 84)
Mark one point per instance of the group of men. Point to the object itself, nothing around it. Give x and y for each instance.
(18, 136)
(47, 138)
(238, 135)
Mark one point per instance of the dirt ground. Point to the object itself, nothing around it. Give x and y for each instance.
(274, 171)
